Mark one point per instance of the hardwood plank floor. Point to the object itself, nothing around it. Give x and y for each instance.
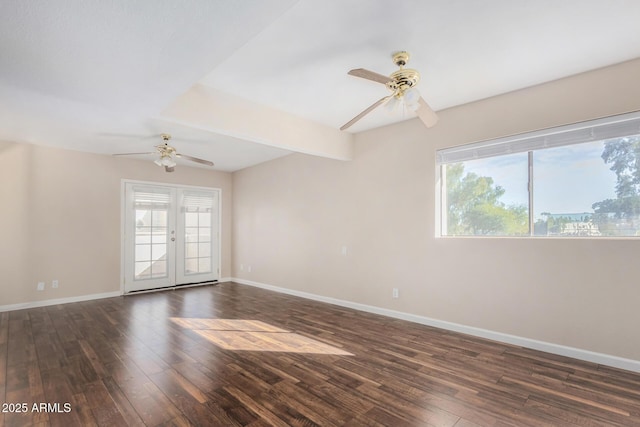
(233, 355)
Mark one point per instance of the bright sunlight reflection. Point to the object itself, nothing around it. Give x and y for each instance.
(253, 335)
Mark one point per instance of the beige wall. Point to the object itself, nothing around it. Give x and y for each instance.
(293, 215)
(60, 219)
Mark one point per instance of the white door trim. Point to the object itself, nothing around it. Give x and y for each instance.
(124, 182)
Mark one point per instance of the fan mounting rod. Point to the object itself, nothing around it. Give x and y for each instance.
(401, 58)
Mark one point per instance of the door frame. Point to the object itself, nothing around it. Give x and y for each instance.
(123, 213)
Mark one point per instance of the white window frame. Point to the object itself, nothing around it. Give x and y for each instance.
(577, 133)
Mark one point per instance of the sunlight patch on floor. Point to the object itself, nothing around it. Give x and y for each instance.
(254, 335)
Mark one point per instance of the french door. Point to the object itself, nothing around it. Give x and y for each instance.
(170, 236)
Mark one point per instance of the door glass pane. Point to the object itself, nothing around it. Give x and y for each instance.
(143, 252)
(158, 252)
(204, 234)
(204, 250)
(159, 218)
(191, 265)
(160, 238)
(198, 206)
(159, 269)
(143, 237)
(143, 218)
(143, 270)
(204, 265)
(191, 234)
(151, 232)
(191, 219)
(204, 219)
(191, 250)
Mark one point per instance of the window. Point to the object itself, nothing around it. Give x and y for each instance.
(580, 180)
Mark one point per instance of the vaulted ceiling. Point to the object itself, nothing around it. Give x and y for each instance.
(241, 82)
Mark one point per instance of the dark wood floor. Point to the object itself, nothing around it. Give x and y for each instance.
(169, 358)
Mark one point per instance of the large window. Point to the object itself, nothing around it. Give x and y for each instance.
(580, 180)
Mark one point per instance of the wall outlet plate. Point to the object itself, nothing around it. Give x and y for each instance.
(40, 286)
(54, 284)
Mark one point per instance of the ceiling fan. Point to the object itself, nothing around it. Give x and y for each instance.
(167, 155)
(402, 84)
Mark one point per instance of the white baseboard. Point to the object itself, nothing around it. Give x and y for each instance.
(47, 302)
(44, 303)
(576, 353)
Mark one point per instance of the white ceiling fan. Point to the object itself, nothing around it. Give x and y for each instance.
(166, 155)
(402, 84)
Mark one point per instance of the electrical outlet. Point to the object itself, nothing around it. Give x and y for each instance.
(54, 284)
(249, 268)
(396, 293)
(344, 251)
(40, 286)
(241, 267)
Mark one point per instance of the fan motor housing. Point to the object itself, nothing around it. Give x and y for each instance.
(403, 79)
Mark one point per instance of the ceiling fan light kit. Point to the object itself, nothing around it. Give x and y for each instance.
(412, 98)
(165, 161)
(402, 84)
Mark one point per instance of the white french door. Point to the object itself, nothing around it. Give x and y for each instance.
(170, 236)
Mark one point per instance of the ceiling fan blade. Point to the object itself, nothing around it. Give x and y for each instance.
(369, 75)
(195, 159)
(169, 169)
(132, 154)
(426, 113)
(365, 112)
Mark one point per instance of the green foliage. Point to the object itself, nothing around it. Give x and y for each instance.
(624, 156)
(617, 216)
(474, 206)
(620, 208)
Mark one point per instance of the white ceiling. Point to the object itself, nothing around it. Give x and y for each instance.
(75, 72)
